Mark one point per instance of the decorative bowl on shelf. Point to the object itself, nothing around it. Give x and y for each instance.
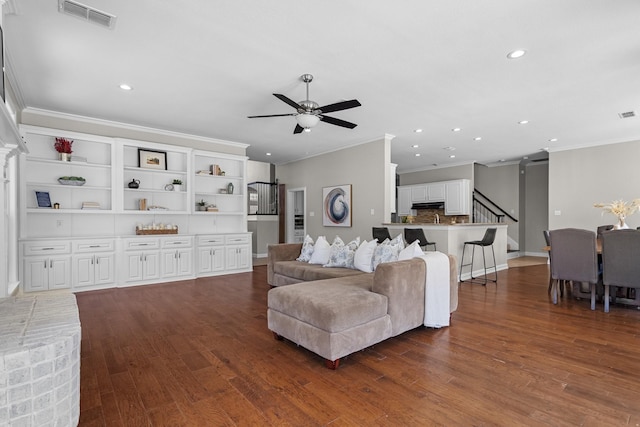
(72, 180)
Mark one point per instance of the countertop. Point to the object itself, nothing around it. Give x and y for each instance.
(430, 224)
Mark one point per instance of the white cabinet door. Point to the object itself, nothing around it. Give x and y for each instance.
(151, 265)
(184, 264)
(436, 192)
(83, 270)
(205, 260)
(232, 258)
(59, 272)
(419, 193)
(104, 269)
(217, 255)
(244, 257)
(134, 266)
(36, 274)
(457, 197)
(404, 200)
(169, 264)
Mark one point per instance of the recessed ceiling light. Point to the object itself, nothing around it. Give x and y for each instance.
(523, 122)
(456, 130)
(453, 156)
(449, 148)
(553, 140)
(268, 154)
(418, 130)
(125, 86)
(477, 138)
(519, 53)
(525, 157)
(417, 154)
(415, 146)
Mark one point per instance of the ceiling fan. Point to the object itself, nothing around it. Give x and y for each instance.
(309, 113)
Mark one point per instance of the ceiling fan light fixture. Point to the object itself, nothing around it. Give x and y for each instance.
(307, 120)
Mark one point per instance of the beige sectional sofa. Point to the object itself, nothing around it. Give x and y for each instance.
(337, 311)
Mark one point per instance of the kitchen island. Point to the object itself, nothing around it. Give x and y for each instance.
(450, 239)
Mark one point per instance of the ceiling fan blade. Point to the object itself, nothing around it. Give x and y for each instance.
(338, 106)
(298, 129)
(287, 100)
(338, 122)
(272, 115)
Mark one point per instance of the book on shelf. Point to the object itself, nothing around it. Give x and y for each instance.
(90, 205)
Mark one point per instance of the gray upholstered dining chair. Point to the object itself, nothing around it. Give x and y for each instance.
(563, 283)
(620, 250)
(574, 257)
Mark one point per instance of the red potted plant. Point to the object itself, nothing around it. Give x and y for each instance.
(63, 146)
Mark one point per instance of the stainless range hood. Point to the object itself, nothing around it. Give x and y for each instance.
(435, 205)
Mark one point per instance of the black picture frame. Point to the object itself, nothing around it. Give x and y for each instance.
(152, 159)
(43, 199)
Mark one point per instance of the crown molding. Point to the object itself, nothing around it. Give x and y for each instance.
(130, 127)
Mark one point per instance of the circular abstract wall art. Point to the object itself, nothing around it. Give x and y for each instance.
(336, 207)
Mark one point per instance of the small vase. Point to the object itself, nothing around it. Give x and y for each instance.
(65, 157)
(177, 187)
(621, 225)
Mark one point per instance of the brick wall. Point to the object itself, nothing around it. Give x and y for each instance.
(39, 361)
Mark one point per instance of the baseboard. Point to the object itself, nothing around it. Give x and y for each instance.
(479, 273)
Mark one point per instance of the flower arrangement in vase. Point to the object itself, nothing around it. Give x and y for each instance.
(620, 209)
(63, 147)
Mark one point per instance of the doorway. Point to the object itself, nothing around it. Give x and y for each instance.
(296, 215)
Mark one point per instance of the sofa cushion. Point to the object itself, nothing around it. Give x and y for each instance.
(333, 306)
(308, 272)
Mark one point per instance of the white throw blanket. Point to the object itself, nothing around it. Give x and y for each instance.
(436, 292)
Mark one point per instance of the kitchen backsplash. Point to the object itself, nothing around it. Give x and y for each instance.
(429, 216)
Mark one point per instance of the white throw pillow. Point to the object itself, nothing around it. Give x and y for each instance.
(341, 255)
(307, 249)
(320, 251)
(364, 255)
(411, 251)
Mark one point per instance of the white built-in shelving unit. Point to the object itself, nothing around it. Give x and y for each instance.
(84, 249)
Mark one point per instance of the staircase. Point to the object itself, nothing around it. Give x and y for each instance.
(486, 210)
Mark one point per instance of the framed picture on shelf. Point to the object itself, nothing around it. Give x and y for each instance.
(43, 199)
(151, 159)
(336, 206)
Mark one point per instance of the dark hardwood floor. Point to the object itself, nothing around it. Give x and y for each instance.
(198, 353)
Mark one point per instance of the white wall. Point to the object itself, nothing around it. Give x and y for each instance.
(579, 178)
(365, 167)
(500, 185)
(258, 171)
(536, 197)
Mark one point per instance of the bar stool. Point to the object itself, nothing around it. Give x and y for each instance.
(487, 240)
(413, 234)
(381, 233)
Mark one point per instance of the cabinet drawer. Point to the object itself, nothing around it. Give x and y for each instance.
(138, 244)
(177, 242)
(81, 246)
(44, 248)
(236, 239)
(210, 240)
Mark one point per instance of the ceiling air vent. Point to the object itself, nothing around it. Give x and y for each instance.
(87, 13)
(627, 114)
